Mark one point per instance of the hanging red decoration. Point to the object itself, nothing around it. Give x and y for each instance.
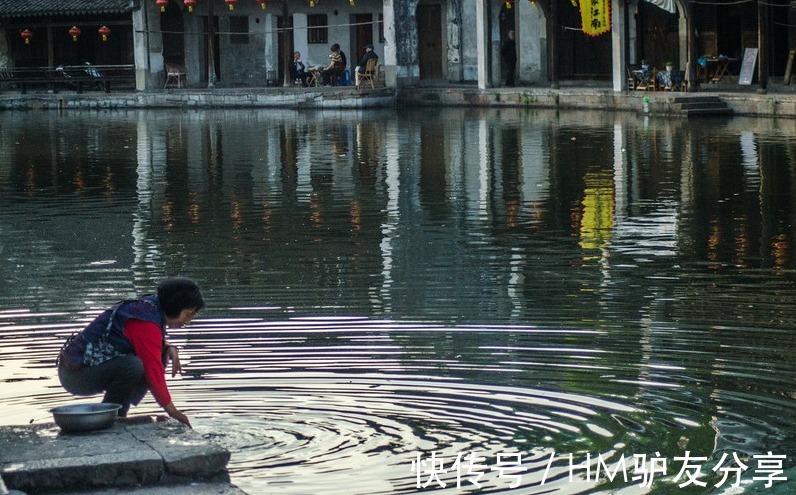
(508, 3)
(162, 4)
(231, 3)
(26, 34)
(104, 31)
(74, 32)
(190, 4)
(312, 3)
(262, 4)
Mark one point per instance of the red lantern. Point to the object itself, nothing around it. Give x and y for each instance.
(262, 4)
(104, 31)
(74, 32)
(231, 3)
(26, 34)
(162, 4)
(190, 4)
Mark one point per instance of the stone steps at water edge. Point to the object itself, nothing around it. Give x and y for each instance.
(693, 106)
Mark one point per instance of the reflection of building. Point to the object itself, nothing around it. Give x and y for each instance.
(443, 41)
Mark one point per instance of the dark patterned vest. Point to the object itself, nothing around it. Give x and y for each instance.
(103, 339)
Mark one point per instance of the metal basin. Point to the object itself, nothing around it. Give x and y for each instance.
(85, 417)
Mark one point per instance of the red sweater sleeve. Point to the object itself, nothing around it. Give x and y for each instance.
(147, 342)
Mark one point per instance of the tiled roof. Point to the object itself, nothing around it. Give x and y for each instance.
(38, 8)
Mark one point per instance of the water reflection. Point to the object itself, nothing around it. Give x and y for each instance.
(391, 282)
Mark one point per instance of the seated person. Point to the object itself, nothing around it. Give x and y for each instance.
(337, 63)
(369, 54)
(297, 70)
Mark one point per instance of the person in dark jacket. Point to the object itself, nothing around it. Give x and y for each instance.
(123, 352)
(369, 55)
(298, 71)
(509, 53)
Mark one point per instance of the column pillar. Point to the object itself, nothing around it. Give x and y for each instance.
(618, 53)
(482, 43)
(390, 48)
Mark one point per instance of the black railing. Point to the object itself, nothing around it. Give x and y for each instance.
(78, 77)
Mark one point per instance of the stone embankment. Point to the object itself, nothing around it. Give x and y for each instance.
(780, 101)
(150, 459)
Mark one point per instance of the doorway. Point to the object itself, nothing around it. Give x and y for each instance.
(171, 22)
(212, 67)
(363, 34)
(429, 41)
(284, 25)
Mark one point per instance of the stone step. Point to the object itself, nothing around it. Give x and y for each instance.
(703, 105)
(708, 112)
(696, 99)
(41, 459)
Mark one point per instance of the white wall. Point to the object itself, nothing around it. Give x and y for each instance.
(531, 29)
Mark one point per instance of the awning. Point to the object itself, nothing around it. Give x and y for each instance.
(50, 8)
(667, 5)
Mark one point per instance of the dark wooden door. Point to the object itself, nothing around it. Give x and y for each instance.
(285, 47)
(429, 37)
(363, 33)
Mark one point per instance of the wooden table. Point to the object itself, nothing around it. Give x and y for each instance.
(315, 76)
(722, 65)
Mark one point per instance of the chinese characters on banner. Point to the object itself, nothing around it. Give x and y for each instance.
(596, 16)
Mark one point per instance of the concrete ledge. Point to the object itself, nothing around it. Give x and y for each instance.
(319, 98)
(779, 102)
(38, 458)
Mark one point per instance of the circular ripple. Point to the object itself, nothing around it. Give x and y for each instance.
(316, 432)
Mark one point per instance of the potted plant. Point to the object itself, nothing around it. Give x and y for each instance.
(669, 66)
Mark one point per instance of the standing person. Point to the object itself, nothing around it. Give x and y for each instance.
(369, 54)
(124, 352)
(337, 63)
(509, 53)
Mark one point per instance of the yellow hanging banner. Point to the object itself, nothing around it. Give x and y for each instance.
(596, 16)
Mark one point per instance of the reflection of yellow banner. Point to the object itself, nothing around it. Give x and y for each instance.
(598, 211)
(596, 15)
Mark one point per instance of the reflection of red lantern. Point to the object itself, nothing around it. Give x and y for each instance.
(190, 4)
(104, 31)
(162, 4)
(74, 32)
(26, 34)
(231, 3)
(262, 3)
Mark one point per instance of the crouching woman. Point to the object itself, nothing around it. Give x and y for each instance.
(123, 353)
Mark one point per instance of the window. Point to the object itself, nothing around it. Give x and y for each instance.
(317, 29)
(239, 29)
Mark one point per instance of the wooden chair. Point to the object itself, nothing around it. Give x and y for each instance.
(647, 81)
(631, 78)
(368, 73)
(175, 73)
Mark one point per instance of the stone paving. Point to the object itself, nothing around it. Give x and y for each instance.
(154, 458)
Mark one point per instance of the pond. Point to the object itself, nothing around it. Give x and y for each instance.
(427, 300)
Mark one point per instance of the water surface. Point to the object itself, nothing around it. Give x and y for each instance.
(384, 286)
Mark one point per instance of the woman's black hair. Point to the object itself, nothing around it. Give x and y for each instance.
(178, 293)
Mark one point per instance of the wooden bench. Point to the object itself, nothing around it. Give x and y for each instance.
(71, 76)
